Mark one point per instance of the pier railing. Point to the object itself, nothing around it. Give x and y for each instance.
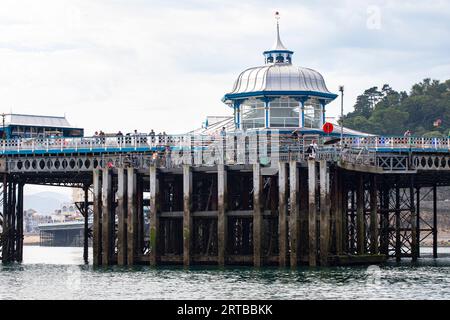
(388, 153)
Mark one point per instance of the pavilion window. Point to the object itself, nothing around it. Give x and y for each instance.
(284, 113)
(313, 113)
(280, 59)
(252, 114)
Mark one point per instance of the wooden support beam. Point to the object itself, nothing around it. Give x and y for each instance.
(398, 243)
(360, 204)
(374, 223)
(86, 225)
(324, 212)
(187, 217)
(282, 214)
(97, 221)
(338, 197)
(435, 231)
(303, 233)
(418, 221)
(121, 217)
(294, 213)
(107, 218)
(257, 216)
(221, 217)
(131, 216)
(414, 244)
(312, 212)
(19, 238)
(154, 216)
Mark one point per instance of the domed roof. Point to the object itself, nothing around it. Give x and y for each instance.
(280, 77)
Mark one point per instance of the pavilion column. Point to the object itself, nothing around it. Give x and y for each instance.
(266, 114)
(107, 218)
(222, 218)
(257, 215)
(282, 214)
(302, 113)
(312, 212)
(132, 213)
(187, 216)
(294, 213)
(97, 223)
(122, 217)
(154, 215)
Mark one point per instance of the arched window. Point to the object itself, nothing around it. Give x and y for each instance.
(252, 114)
(269, 59)
(280, 59)
(313, 113)
(284, 113)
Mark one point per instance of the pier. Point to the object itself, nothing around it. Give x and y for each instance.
(237, 199)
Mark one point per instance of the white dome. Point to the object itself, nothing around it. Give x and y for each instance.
(279, 77)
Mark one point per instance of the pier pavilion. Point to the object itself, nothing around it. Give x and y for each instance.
(251, 195)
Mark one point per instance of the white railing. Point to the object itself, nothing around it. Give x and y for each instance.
(241, 143)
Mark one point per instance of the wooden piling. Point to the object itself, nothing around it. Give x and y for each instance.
(324, 212)
(303, 219)
(187, 217)
(131, 216)
(19, 211)
(374, 243)
(282, 214)
(294, 213)
(154, 215)
(398, 244)
(86, 225)
(97, 221)
(107, 218)
(257, 215)
(414, 244)
(435, 231)
(221, 217)
(418, 220)
(360, 204)
(121, 217)
(338, 191)
(312, 212)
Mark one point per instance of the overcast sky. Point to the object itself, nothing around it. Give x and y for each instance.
(135, 64)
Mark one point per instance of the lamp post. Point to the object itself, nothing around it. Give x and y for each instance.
(341, 89)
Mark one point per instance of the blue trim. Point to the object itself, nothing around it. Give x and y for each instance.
(278, 51)
(234, 96)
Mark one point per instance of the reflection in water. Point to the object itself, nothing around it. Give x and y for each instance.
(59, 273)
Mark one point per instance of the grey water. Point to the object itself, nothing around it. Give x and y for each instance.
(59, 273)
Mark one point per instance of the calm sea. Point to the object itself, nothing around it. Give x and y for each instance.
(59, 273)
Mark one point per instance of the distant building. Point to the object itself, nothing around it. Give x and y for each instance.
(35, 126)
